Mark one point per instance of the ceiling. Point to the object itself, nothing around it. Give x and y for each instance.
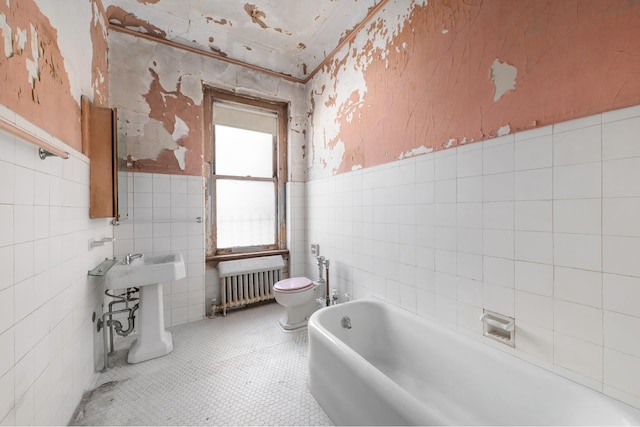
(290, 38)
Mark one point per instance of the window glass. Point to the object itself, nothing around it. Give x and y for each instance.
(245, 212)
(242, 152)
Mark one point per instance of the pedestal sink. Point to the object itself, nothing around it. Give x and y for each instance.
(148, 273)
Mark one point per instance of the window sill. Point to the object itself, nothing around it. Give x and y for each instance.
(213, 260)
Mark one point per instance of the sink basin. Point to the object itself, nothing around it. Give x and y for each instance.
(148, 270)
(148, 273)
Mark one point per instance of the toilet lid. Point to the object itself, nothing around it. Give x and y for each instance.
(293, 284)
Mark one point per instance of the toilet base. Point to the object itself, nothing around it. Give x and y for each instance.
(291, 328)
(296, 318)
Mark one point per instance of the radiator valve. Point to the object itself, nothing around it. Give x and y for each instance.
(334, 296)
(213, 308)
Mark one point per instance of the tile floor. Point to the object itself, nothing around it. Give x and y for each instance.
(236, 370)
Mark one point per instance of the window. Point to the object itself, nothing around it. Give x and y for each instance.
(247, 162)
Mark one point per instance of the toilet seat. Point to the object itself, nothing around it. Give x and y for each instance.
(293, 284)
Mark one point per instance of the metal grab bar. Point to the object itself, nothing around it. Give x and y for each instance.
(46, 149)
(197, 219)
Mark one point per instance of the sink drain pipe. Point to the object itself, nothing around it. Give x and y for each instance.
(109, 325)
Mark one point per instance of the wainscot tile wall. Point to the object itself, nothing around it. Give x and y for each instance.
(299, 251)
(49, 347)
(163, 218)
(541, 225)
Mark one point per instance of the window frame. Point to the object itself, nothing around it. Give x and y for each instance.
(212, 95)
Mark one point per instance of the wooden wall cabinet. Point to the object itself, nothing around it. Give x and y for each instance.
(100, 144)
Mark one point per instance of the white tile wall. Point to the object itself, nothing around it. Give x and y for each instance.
(299, 250)
(47, 338)
(163, 212)
(542, 225)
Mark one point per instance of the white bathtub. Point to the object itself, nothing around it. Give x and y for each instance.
(395, 368)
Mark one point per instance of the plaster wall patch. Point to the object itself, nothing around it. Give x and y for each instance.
(32, 65)
(98, 18)
(191, 87)
(504, 78)
(341, 100)
(415, 152)
(7, 35)
(100, 76)
(139, 29)
(77, 52)
(180, 154)
(504, 130)
(151, 142)
(22, 38)
(166, 96)
(126, 59)
(332, 158)
(168, 66)
(180, 130)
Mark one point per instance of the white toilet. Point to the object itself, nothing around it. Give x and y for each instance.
(298, 296)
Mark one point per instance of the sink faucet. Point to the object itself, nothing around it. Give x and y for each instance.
(128, 257)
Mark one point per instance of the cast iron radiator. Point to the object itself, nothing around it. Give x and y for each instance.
(246, 281)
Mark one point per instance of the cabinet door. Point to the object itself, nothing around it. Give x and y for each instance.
(98, 145)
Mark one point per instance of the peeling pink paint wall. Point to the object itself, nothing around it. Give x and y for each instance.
(126, 19)
(100, 80)
(35, 82)
(168, 107)
(159, 92)
(159, 97)
(427, 76)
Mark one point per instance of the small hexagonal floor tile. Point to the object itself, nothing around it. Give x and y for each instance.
(241, 369)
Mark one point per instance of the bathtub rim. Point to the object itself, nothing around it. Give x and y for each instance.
(415, 411)
(622, 410)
